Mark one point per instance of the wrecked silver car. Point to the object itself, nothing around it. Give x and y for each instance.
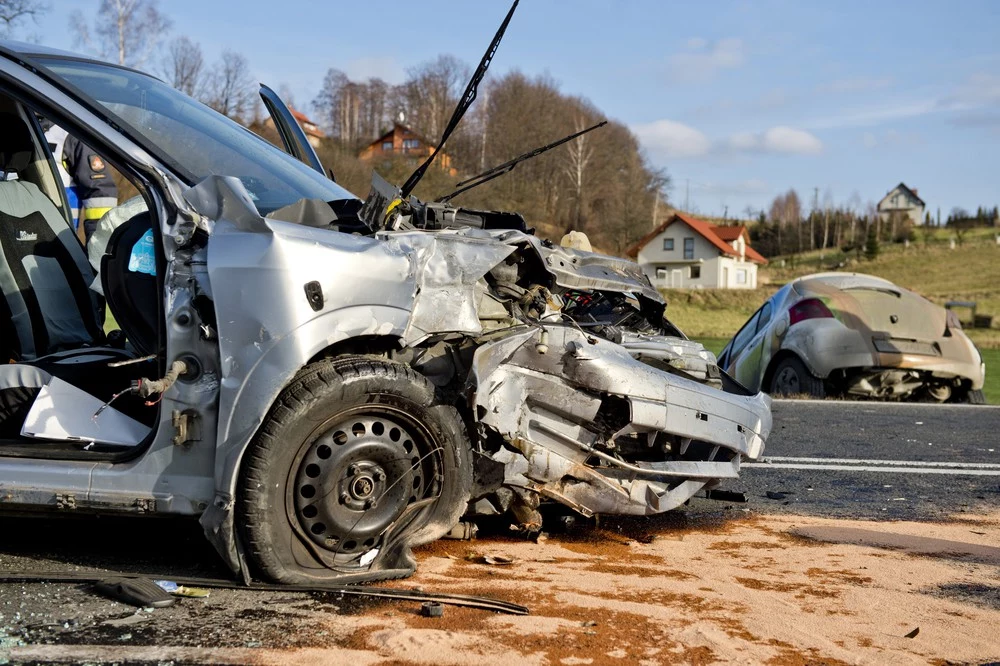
(325, 382)
(855, 335)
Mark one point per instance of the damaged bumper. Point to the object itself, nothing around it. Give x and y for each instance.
(585, 422)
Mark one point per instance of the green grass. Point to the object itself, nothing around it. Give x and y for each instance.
(713, 313)
(967, 273)
(713, 345)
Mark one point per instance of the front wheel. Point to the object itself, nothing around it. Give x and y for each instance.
(357, 462)
(975, 397)
(791, 377)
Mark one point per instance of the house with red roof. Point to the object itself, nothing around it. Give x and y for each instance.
(403, 141)
(685, 252)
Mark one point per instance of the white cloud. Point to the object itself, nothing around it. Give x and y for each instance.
(669, 138)
(672, 139)
(876, 115)
(701, 60)
(869, 140)
(778, 140)
(978, 91)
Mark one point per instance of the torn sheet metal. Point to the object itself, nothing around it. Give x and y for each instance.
(547, 402)
(446, 267)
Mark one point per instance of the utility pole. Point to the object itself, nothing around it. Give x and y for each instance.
(687, 207)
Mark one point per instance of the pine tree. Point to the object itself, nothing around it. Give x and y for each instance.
(872, 245)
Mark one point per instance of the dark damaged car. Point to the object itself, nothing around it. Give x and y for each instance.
(325, 384)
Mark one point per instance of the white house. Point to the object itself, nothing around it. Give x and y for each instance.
(902, 202)
(691, 253)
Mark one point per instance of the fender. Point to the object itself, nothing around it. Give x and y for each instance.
(263, 382)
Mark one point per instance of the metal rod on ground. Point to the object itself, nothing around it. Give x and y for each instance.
(483, 603)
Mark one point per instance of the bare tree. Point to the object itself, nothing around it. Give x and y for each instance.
(777, 215)
(431, 92)
(230, 87)
(827, 207)
(184, 66)
(12, 12)
(578, 156)
(854, 208)
(126, 31)
(354, 112)
(793, 213)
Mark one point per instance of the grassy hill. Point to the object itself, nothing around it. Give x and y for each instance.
(928, 266)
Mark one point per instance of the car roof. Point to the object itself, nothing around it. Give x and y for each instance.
(28, 49)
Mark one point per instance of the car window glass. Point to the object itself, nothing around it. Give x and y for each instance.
(195, 139)
(744, 336)
(765, 316)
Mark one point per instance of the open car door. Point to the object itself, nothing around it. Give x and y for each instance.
(296, 143)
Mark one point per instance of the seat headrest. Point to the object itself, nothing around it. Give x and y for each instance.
(16, 146)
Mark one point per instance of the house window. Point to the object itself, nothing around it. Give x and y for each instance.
(387, 145)
(694, 272)
(661, 274)
(689, 248)
(409, 144)
(668, 244)
(741, 276)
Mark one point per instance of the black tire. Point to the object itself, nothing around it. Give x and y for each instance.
(975, 398)
(357, 462)
(791, 377)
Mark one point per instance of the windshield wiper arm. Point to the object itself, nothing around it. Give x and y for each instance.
(468, 97)
(508, 166)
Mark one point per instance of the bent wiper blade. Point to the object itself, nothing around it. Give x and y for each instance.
(509, 165)
(468, 97)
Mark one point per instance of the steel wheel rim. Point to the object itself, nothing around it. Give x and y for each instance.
(356, 476)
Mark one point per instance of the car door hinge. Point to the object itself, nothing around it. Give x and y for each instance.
(65, 501)
(188, 427)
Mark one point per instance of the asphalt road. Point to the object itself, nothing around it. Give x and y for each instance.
(909, 432)
(33, 614)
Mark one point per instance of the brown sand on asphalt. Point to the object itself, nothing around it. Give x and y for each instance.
(741, 589)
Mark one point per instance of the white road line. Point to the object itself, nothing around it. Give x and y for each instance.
(876, 468)
(876, 404)
(894, 463)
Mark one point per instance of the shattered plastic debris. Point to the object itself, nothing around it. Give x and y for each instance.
(431, 609)
(182, 590)
(495, 559)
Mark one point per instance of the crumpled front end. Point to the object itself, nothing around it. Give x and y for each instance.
(583, 421)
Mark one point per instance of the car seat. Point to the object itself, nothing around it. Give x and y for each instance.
(49, 320)
(44, 273)
(128, 278)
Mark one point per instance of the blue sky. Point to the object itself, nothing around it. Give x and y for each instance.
(737, 100)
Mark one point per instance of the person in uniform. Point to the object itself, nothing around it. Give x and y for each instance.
(56, 137)
(95, 186)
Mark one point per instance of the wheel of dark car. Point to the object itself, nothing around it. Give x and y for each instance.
(975, 398)
(791, 377)
(357, 463)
